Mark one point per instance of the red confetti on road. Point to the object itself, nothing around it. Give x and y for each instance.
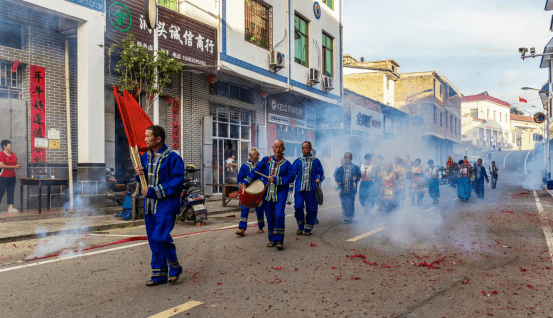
(313, 244)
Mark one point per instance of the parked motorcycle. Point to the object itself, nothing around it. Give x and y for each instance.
(192, 206)
(117, 189)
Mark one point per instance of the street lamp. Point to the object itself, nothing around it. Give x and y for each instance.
(411, 117)
(546, 101)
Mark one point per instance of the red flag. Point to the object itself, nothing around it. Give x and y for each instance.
(15, 66)
(522, 100)
(134, 119)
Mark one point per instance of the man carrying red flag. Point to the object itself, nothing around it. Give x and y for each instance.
(164, 170)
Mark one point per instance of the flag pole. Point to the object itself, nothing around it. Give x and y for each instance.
(137, 164)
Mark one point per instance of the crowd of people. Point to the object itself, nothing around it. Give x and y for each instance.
(380, 184)
(385, 185)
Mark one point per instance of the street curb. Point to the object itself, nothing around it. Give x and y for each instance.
(78, 230)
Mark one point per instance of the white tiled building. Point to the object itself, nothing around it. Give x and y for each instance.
(486, 121)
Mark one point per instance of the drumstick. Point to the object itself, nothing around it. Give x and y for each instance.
(259, 173)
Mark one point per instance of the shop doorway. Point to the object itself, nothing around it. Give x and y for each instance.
(231, 143)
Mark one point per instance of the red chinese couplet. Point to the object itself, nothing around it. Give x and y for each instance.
(175, 123)
(38, 112)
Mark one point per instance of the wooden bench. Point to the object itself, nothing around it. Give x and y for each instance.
(228, 188)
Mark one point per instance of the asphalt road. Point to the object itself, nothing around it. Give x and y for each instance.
(478, 258)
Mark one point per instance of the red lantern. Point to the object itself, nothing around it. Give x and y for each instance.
(212, 79)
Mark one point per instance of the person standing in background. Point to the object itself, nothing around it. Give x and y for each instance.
(433, 183)
(493, 173)
(8, 165)
(347, 177)
(367, 196)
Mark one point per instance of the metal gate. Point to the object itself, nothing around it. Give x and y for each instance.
(13, 127)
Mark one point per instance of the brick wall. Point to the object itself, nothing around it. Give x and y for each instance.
(44, 45)
(367, 84)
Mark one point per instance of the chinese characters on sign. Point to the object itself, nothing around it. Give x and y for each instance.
(184, 39)
(363, 120)
(175, 122)
(38, 112)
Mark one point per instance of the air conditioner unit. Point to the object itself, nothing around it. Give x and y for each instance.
(328, 83)
(313, 76)
(276, 60)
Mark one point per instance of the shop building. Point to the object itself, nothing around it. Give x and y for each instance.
(43, 44)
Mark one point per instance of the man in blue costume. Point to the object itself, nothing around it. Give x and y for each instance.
(164, 171)
(479, 176)
(245, 170)
(279, 178)
(346, 176)
(309, 173)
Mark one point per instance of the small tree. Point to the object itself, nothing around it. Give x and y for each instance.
(138, 70)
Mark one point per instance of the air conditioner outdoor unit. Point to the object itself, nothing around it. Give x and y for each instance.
(328, 83)
(276, 60)
(313, 76)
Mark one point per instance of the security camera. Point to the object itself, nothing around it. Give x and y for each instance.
(532, 50)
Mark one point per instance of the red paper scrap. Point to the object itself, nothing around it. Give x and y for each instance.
(313, 244)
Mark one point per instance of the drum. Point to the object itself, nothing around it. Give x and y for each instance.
(252, 196)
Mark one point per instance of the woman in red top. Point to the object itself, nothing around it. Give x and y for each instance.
(8, 164)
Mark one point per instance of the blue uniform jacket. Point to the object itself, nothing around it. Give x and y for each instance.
(316, 172)
(168, 180)
(339, 178)
(283, 177)
(483, 174)
(245, 170)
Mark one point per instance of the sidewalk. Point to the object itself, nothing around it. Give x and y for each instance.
(29, 224)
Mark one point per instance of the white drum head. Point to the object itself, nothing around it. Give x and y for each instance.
(255, 187)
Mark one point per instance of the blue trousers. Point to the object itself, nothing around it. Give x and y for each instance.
(164, 254)
(307, 200)
(367, 194)
(275, 218)
(434, 189)
(244, 218)
(479, 188)
(348, 205)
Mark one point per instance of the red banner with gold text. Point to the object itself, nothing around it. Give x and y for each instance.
(38, 114)
(175, 123)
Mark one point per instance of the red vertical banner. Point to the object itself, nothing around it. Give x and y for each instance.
(175, 123)
(38, 114)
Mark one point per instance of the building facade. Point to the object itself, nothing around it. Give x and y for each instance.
(51, 85)
(526, 132)
(277, 63)
(434, 105)
(374, 79)
(486, 122)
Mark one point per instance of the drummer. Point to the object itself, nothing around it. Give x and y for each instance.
(279, 178)
(245, 170)
(309, 173)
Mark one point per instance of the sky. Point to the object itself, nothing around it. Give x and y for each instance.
(474, 43)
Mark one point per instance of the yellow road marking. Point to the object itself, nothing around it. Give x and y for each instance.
(357, 238)
(177, 310)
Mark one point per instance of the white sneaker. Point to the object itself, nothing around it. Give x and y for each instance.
(13, 210)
